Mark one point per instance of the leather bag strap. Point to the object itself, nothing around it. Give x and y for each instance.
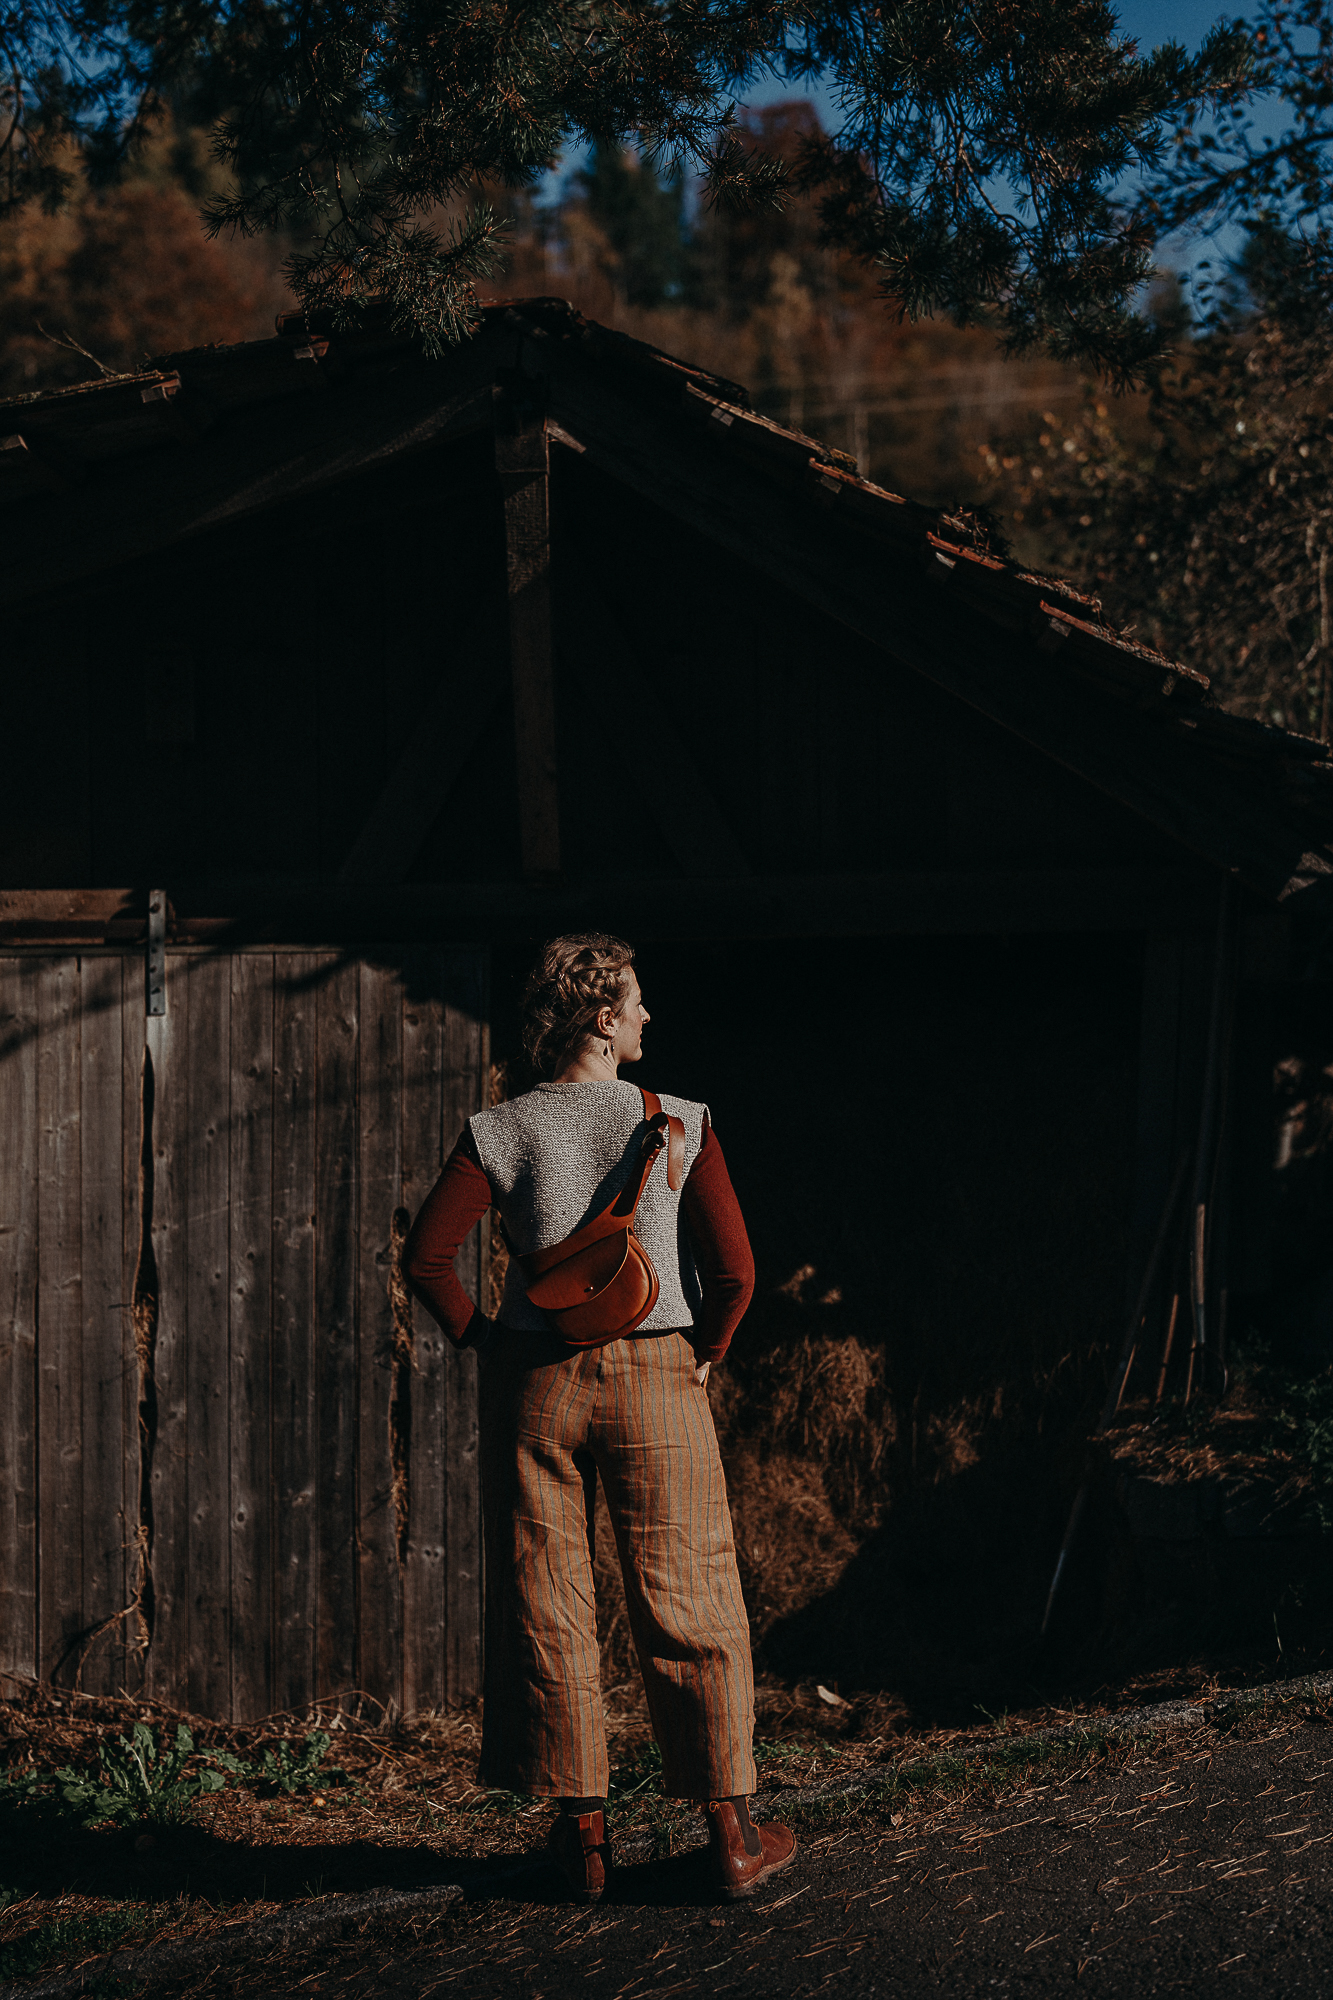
(653, 1112)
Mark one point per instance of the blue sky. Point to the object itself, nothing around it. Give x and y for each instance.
(1149, 21)
(1187, 21)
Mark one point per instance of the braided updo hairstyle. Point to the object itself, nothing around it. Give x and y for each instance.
(572, 981)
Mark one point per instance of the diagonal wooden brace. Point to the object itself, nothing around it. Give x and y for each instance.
(522, 460)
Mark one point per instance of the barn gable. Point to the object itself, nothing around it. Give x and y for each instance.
(290, 558)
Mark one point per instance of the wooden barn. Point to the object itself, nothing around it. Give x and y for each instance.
(334, 680)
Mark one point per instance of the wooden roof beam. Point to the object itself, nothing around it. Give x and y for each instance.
(266, 455)
(921, 903)
(25, 470)
(182, 413)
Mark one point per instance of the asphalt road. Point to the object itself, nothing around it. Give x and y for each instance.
(1203, 1865)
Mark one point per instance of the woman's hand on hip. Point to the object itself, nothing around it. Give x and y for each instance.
(701, 1372)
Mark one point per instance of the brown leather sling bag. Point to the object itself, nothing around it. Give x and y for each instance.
(599, 1284)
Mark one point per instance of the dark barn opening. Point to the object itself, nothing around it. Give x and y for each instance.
(971, 918)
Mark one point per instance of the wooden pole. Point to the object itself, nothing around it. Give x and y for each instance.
(1118, 1380)
(1205, 1154)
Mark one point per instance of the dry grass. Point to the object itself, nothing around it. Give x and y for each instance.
(409, 1805)
(815, 1398)
(1231, 1440)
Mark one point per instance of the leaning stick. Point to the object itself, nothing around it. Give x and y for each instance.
(1121, 1375)
(1208, 1148)
(1167, 1345)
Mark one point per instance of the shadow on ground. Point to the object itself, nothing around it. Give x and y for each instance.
(58, 1860)
(53, 1858)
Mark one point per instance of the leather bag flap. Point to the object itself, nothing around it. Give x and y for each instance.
(619, 1307)
(581, 1277)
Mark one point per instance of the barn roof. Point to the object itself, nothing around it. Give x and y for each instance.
(114, 470)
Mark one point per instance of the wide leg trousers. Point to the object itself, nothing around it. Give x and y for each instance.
(633, 1414)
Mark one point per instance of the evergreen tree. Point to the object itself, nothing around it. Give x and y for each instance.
(737, 245)
(976, 171)
(643, 219)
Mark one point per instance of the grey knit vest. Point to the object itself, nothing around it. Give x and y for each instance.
(558, 1156)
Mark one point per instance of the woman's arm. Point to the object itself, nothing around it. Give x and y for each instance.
(456, 1203)
(721, 1247)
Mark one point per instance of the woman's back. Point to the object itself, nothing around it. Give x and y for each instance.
(558, 1155)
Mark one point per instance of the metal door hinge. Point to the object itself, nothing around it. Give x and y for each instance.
(156, 965)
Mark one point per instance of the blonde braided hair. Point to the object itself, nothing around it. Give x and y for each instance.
(572, 981)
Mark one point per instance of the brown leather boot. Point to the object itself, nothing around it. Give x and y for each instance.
(742, 1853)
(579, 1848)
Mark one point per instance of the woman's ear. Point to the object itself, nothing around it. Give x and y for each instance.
(606, 1021)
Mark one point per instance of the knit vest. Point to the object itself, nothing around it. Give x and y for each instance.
(559, 1155)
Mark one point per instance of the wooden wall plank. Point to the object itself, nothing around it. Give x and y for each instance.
(380, 1607)
(926, 902)
(60, 1321)
(295, 1410)
(422, 1158)
(466, 1063)
(166, 1439)
(18, 1315)
(337, 1013)
(291, 1118)
(136, 1131)
(208, 1422)
(106, 1324)
(250, 1315)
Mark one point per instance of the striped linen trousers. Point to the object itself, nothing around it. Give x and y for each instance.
(632, 1413)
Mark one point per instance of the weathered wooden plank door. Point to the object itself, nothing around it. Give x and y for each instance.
(237, 1467)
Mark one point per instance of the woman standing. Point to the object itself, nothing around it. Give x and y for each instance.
(634, 1411)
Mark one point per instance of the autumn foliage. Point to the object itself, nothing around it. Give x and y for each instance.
(123, 273)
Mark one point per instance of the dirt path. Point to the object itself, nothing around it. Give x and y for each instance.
(1202, 1865)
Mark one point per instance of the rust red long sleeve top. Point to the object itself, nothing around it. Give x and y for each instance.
(463, 1194)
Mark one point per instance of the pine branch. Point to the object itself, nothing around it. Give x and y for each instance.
(976, 167)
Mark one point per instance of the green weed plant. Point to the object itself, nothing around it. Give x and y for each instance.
(641, 1776)
(74, 1937)
(1304, 1423)
(1298, 1415)
(284, 1767)
(135, 1783)
(509, 1803)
